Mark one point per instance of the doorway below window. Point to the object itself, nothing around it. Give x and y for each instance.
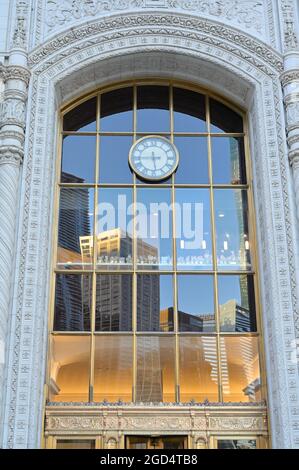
(156, 442)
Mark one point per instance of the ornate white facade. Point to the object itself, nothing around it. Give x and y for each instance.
(53, 51)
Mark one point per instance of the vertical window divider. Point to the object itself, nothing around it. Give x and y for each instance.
(214, 249)
(95, 247)
(134, 253)
(174, 259)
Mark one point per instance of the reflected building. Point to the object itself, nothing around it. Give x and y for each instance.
(233, 316)
(72, 301)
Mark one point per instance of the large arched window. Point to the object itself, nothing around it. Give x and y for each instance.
(155, 280)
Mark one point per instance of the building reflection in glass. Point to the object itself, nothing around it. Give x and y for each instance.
(75, 245)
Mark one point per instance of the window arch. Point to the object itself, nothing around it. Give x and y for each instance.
(155, 280)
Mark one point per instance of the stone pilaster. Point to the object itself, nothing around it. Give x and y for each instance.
(12, 135)
(290, 83)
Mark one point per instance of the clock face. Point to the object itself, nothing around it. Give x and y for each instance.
(153, 158)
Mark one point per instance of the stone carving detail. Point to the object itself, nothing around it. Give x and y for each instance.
(12, 111)
(236, 423)
(20, 31)
(181, 27)
(289, 77)
(293, 114)
(247, 13)
(73, 423)
(13, 155)
(157, 422)
(17, 72)
(153, 422)
(290, 36)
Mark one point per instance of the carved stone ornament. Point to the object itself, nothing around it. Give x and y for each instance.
(243, 423)
(12, 111)
(289, 77)
(248, 13)
(173, 24)
(290, 35)
(11, 155)
(20, 31)
(17, 72)
(142, 421)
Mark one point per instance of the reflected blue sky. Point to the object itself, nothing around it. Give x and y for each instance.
(114, 166)
(78, 157)
(196, 294)
(193, 164)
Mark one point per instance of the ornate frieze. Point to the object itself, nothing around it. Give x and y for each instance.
(124, 26)
(248, 14)
(19, 39)
(289, 25)
(150, 419)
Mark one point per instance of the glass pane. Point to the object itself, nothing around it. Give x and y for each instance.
(72, 302)
(236, 444)
(75, 444)
(114, 157)
(153, 109)
(228, 160)
(154, 228)
(70, 365)
(155, 369)
(114, 302)
(196, 309)
(154, 302)
(240, 368)
(198, 369)
(193, 163)
(193, 229)
(82, 118)
(231, 213)
(113, 368)
(236, 303)
(75, 233)
(189, 111)
(117, 111)
(224, 119)
(78, 159)
(114, 228)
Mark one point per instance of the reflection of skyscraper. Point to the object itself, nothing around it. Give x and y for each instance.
(234, 317)
(73, 220)
(72, 305)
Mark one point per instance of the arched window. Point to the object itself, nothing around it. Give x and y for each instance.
(154, 279)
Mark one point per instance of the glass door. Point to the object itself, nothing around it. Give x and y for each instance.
(156, 442)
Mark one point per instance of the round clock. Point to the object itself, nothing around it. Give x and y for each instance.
(153, 158)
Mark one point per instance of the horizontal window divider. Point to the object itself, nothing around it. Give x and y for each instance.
(238, 334)
(71, 333)
(77, 185)
(74, 271)
(66, 133)
(113, 333)
(156, 333)
(227, 134)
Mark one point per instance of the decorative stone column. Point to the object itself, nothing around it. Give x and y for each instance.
(12, 134)
(290, 82)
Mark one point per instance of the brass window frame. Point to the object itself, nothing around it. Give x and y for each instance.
(213, 272)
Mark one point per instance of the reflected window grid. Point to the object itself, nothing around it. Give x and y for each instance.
(215, 131)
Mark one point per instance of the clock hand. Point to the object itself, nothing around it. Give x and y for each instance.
(153, 157)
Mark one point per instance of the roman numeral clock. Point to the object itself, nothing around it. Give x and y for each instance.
(153, 158)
